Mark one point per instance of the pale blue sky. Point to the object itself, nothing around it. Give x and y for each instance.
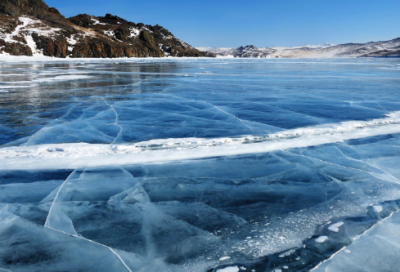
(231, 23)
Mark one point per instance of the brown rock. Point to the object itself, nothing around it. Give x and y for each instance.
(49, 47)
(17, 49)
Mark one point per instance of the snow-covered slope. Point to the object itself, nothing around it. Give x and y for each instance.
(22, 35)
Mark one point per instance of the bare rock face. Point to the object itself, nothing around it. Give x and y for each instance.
(30, 27)
(15, 48)
(51, 47)
(16, 8)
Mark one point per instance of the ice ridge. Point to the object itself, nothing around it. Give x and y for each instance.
(56, 156)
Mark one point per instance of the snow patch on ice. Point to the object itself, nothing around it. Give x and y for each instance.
(321, 239)
(14, 87)
(335, 227)
(61, 78)
(378, 209)
(229, 269)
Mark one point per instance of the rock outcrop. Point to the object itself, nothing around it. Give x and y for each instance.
(30, 27)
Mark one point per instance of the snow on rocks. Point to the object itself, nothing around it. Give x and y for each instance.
(26, 29)
(148, 30)
(97, 22)
(71, 42)
(109, 33)
(134, 32)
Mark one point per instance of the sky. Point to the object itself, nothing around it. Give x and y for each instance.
(232, 23)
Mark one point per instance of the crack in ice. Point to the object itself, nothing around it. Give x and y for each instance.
(55, 198)
(94, 242)
(219, 109)
(116, 120)
(366, 161)
(352, 168)
(46, 225)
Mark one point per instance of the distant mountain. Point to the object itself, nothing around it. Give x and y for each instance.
(372, 49)
(30, 27)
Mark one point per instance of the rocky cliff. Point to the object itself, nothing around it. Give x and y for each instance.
(30, 27)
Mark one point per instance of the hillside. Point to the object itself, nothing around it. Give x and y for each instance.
(30, 27)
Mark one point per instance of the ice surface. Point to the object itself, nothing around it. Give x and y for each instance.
(198, 165)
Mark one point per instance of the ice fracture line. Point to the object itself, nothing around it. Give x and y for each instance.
(116, 120)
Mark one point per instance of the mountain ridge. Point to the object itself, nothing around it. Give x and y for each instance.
(389, 48)
(30, 27)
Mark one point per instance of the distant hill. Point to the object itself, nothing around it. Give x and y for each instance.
(372, 49)
(30, 27)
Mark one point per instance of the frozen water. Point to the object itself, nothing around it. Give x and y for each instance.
(199, 165)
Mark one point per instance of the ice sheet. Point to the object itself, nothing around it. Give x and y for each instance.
(202, 165)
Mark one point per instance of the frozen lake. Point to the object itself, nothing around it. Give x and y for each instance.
(209, 165)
